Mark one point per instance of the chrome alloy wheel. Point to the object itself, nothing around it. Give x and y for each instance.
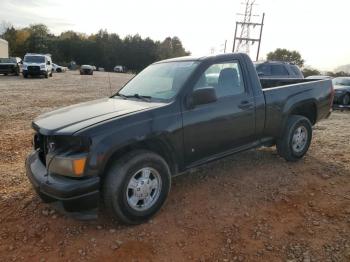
(144, 189)
(299, 139)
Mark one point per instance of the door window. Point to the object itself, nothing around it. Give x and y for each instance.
(226, 78)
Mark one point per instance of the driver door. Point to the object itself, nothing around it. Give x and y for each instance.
(223, 125)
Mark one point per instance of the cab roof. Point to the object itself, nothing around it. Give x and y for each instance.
(198, 58)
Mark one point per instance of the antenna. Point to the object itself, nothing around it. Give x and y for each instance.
(110, 85)
(243, 40)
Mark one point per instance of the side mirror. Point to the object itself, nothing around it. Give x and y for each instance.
(204, 95)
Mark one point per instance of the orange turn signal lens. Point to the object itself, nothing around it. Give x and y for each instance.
(78, 166)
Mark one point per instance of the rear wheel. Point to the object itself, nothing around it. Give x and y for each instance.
(136, 186)
(296, 138)
(346, 99)
(25, 75)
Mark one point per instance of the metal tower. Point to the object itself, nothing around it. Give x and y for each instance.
(243, 40)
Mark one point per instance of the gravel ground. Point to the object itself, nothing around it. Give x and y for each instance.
(253, 206)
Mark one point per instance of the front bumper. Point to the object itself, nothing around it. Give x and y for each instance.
(86, 71)
(34, 72)
(10, 70)
(75, 195)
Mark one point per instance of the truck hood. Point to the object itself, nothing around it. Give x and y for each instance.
(68, 120)
(8, 63)
(32, 64)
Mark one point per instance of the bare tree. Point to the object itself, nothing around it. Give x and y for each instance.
(3, 26)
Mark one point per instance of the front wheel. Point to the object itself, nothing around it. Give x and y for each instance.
(296, 138)
(136, 186)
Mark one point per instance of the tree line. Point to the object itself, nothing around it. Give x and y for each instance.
(102, 49)
(281, 54)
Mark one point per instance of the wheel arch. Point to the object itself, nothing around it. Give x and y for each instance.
(307, 109)
(154, 145)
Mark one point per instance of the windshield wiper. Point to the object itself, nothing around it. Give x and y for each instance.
(145, 98)
(138, 96)
(141, 97)
(121, 95)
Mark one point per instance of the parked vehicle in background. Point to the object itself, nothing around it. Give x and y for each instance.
(119, 69)
(101, 69)
(86, 70)
(342, 92)
(58, 68)
(12, 65)
(276, 69)
(128, 147)
(318, 77)
(37, 65)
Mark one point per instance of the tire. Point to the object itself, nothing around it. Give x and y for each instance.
(50, 74)
(293, 144)
(346, 99)
(25, 75)
(118, 193)
(5, 74)
(46, 75)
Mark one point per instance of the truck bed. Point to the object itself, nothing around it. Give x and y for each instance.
(280, 100)
(269, 83)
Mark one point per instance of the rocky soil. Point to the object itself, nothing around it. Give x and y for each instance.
(253, 206)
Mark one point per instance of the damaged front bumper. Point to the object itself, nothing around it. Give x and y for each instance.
(73, 196)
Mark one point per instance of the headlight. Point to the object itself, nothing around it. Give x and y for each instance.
(42, 66)
(66, 155)
(73, 166)
(68, 144)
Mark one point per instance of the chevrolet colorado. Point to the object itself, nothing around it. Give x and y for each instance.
(175, 115)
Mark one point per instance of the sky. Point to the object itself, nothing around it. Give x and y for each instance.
(319, 30)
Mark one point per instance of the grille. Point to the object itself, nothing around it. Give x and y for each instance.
(6, 67)
(34, 68)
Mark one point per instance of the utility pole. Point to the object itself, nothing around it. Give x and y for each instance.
(223, 50)
(260, 36)
(243, 41)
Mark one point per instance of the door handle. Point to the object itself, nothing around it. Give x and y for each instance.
(245, 105)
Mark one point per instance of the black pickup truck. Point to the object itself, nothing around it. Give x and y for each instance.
(175, 115)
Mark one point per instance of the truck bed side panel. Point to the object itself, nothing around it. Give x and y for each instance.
(281, 101)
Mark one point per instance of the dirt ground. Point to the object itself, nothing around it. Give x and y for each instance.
(253, 206)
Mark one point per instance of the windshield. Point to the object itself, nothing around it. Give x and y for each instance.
(8, 60)
(34, 59)
(160, 81)
(341, 81)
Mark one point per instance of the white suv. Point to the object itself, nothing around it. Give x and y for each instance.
(37, 64)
